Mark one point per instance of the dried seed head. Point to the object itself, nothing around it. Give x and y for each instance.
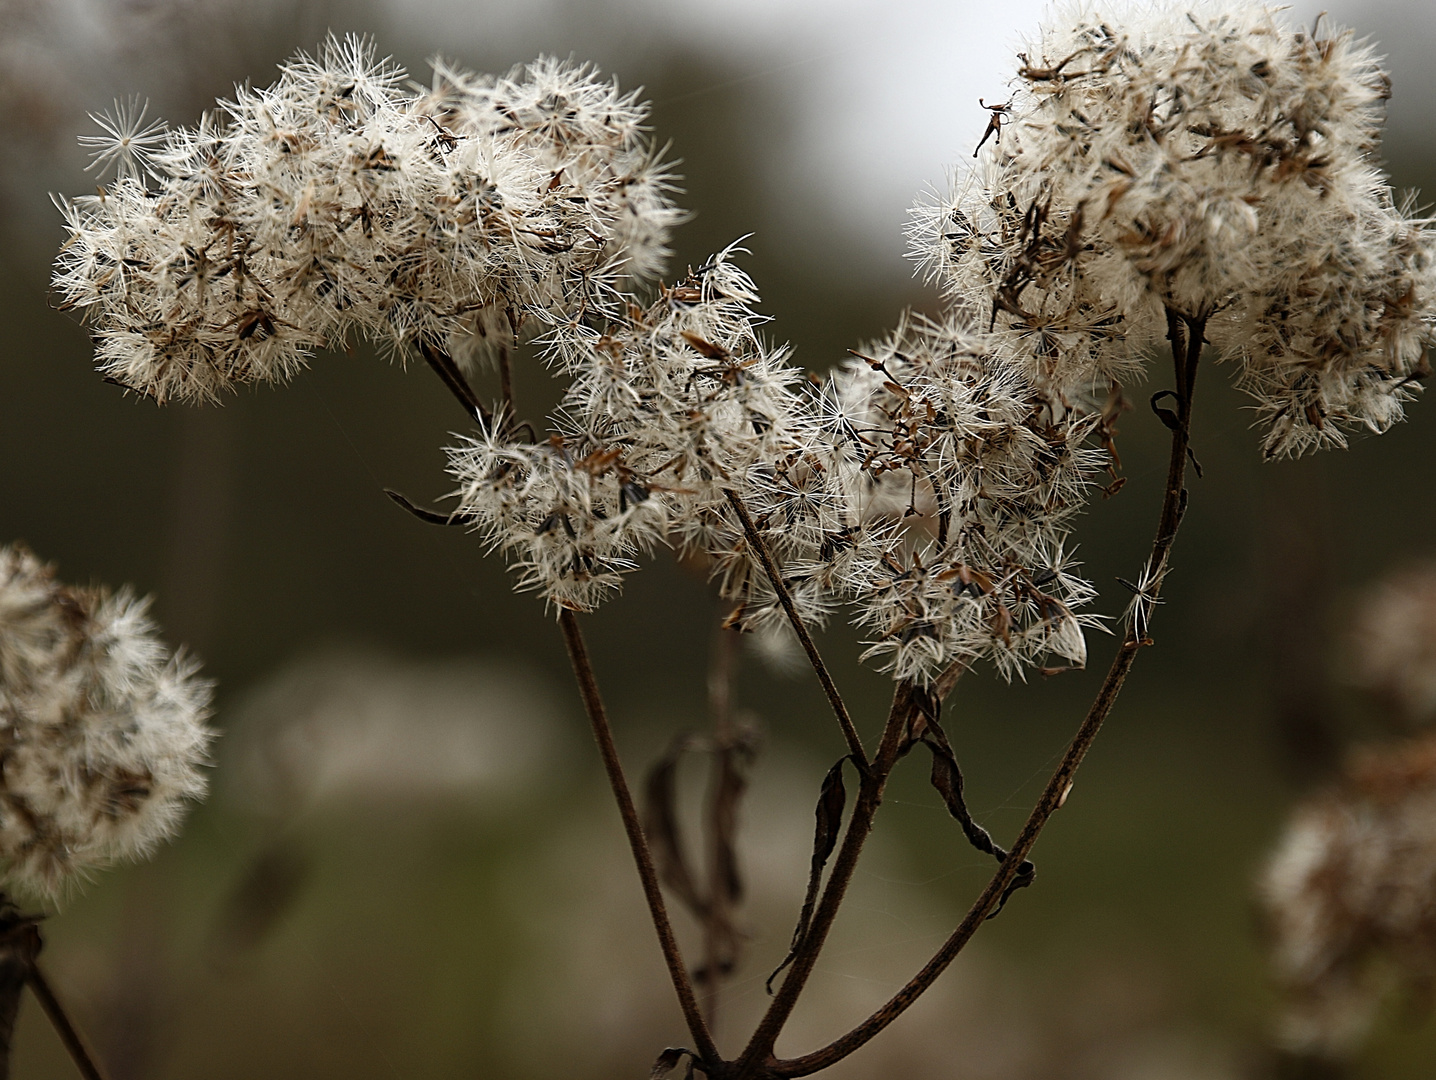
(1214, 162)
(1392, 644)
(668, 406)
(1348, 898)
(337, 202)
(103, 730)
(929, 486)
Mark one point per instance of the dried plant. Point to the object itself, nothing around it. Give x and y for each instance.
(1391, 649)
(1205, 177)
(104, 739)
(1347, 895)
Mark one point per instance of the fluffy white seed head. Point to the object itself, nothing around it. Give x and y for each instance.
(337, 202)
(1390, 648)
(930, 487)
(103, 729)
(1215, 163)
(667, 406)
(1210, 169)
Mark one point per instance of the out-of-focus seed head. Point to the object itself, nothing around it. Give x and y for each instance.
(103, 729)
(1347, 896)
(1391, 646)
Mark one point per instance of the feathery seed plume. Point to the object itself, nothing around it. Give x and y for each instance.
(103, 728)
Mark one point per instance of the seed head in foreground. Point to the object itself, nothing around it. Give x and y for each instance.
(103, 729)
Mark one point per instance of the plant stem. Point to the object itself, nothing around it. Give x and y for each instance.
(603, 734)
(840, 710)
(506, 385)
(1186, 338)
(19, 945)
(449, 373)
(74, 1044)
(722, 879)
(870, 795)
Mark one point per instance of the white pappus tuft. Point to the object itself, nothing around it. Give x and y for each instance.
(337, 202)
(930, 487)
(667, 407)
(103, 729)
(1213, 163)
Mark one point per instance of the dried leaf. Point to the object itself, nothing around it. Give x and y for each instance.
(706, 347)
(947, 779)
(733, 757)
(667, 1062)
(829, 815)
(660, 825)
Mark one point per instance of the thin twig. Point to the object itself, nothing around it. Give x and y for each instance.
(19, 945)
(506, 384)
(74, 1044)
(840, 710)
(449, 373)
(603, 734)
(759, 1050)
(1186, 349)
(722, 879)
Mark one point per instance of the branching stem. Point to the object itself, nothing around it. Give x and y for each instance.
(449, 373)
(64, 1028)
(835, 699)
(603, 734)
(758, 1053)
(1186, 335)
(20, 945)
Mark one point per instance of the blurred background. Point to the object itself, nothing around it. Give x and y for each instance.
(410, 866)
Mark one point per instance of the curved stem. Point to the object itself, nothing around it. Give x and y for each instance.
(64, 1027)
(603, 734)
(870, 796)
(452, 378)
(840, 710)
(1186, 337)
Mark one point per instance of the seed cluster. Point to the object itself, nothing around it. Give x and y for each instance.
(102, 729)
(1211, 163)
(1348, 898)
(338, 202)
(1211, 171)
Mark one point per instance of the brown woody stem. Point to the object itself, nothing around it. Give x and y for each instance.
(840, 710)
(19, 945)
(506, 384)
(603, 734)
(450, 375)
(1185, 334)
(74, 1044)
(758, 1053)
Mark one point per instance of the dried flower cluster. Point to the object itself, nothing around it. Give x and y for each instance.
(1392, 645)
(1348, 896)
(1211, 175)
(927, 485)
(932, 488)
(337, 202)
(667, 406)
(103, 729)
(1211, 165)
